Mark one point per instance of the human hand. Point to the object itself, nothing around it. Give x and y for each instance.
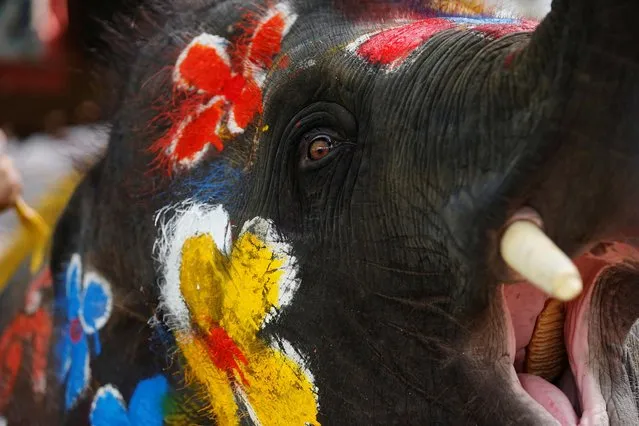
(10, 182)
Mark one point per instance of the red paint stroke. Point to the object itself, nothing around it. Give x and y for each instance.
(205, 69)
(225, 354)
(227, 80)
(394, 45)
(267, 41)
(285, 62)
(497, 31)
(196, 135)
(32, 327)
(247, 104)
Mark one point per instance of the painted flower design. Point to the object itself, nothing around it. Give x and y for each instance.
(88, 305)
(146, 407)
(218, 295)
(224, 83)
(24, 343)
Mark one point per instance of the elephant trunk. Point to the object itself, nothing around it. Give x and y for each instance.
(578, 78)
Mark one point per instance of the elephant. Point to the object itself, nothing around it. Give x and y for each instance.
(347, 212)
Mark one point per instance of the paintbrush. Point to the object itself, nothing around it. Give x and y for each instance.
(39, 230)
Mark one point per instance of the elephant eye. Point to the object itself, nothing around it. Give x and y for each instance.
(319, 135)
(320, 147)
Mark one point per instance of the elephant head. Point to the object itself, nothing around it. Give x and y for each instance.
(301, 214)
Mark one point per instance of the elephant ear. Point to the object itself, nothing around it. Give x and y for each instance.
(218, 85)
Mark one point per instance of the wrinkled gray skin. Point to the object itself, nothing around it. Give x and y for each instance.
(396, 234)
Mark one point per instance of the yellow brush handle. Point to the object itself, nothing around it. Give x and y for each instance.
(32, 220)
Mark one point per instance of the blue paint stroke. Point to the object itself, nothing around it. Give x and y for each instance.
(481, 20)
(214, 185)
(146, 407)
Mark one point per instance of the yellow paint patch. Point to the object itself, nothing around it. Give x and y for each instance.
(236, 293)
(283, 395)
(214, 380)
(462, 7)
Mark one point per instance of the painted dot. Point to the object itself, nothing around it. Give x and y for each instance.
(75, 330)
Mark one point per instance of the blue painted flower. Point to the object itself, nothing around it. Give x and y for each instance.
(88, 307)
(146, 407)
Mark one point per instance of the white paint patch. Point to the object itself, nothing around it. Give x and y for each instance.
(258, 75)
(308, 64)
(217, 43)
(191, 219)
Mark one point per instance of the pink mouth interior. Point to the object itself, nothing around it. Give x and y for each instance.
(576, 398)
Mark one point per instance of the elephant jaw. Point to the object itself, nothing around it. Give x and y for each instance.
(560, 351)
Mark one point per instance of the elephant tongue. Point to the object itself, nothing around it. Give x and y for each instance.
(525, 304)
(550, 397)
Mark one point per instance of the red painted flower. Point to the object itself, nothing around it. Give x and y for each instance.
(225, 86)
(26, 336)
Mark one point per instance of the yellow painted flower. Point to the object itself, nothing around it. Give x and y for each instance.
(218, 296)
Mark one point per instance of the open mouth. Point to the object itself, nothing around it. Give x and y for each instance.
(552, 359)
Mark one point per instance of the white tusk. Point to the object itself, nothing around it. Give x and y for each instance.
(528, 251)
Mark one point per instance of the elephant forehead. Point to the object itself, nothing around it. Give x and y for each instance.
(392, 46)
